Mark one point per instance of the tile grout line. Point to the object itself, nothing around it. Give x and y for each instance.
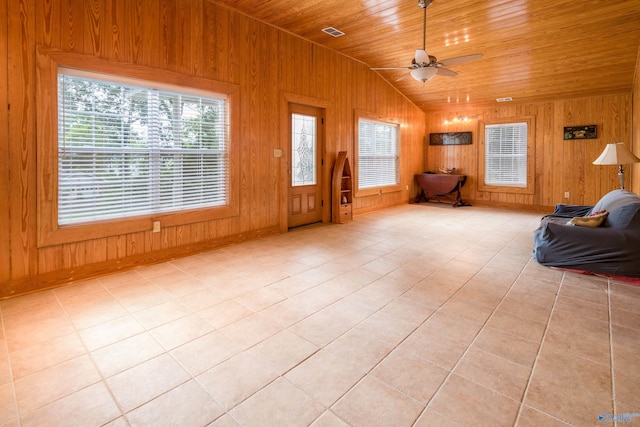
(613, 381)
(477, 334)
(394, 348)
(89, 354)
(16, 411)
(370, 315)
(484, 324)
(226, 410)
(168, 352)
(103, 379)
(428, 317)
(535, 361)
(165, 352)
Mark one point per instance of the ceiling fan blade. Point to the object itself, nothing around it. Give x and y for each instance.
(421, 56)
(446, 72)
(402, 77)
(460, 59)
(394, 68)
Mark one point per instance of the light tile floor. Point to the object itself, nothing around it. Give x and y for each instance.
(416, 315)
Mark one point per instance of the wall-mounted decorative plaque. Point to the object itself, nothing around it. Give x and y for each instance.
(450, 138)
(581, 132)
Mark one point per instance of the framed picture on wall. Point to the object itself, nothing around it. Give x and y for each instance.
(450, 138)
(581, 132)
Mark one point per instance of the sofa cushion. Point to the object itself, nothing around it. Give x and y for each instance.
(624, 216)
(615, 199)
(592, 220)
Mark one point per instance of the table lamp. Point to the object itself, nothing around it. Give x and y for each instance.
(617, 154)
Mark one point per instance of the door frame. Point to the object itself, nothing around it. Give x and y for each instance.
(287, 98)
(311, 192)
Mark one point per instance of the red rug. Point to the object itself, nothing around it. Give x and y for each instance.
(625, 279)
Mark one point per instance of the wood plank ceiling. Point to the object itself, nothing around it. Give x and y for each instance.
(532, 49)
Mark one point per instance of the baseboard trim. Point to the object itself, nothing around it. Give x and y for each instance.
(514, 206)
(55, 279)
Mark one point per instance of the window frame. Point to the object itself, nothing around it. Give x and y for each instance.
(48, 63)
(529, 188)
(369, 117)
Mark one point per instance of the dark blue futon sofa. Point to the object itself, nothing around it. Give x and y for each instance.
(612, 248)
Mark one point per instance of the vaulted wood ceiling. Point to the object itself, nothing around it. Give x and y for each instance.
(532, 49)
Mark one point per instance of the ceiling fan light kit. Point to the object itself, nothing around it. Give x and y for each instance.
(424, 66)
(423, 74)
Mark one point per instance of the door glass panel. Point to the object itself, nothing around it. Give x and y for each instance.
(303, 150)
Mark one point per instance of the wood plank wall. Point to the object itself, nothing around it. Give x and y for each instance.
(5, 246)
(193, 37)
(560, 166)
(635, 179)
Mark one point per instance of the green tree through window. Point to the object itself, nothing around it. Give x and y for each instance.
(126, 150)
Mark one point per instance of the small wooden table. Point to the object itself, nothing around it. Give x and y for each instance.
(438, 185)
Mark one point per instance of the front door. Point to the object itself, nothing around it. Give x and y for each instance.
(306, 146)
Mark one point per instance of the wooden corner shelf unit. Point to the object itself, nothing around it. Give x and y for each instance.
(342, 190)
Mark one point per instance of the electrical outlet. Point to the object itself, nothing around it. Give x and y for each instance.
(566, 194)
(156, 226)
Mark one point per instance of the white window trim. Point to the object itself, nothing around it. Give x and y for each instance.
(372, 118)
(491, 173)
(529, 188)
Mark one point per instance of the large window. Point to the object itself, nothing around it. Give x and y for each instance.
(127, 149)
(378, 154)
(506, 158)
(123, 148)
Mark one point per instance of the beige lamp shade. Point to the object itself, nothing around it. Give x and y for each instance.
(616, 154)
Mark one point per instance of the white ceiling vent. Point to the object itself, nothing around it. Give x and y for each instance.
(333, 32)
(505, 99)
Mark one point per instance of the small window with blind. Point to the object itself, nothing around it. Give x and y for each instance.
(378, 155)
(126, 149)
(506, 157)
(505, 151)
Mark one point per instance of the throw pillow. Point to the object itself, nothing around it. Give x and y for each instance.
(592, 220)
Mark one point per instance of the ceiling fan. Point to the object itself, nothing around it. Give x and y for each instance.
(424, 66)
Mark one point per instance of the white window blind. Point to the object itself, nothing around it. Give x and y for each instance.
(126, 149)
(378, 157)
(506, 155)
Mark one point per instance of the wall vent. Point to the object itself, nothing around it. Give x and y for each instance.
(505, 99)
(333, 32)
